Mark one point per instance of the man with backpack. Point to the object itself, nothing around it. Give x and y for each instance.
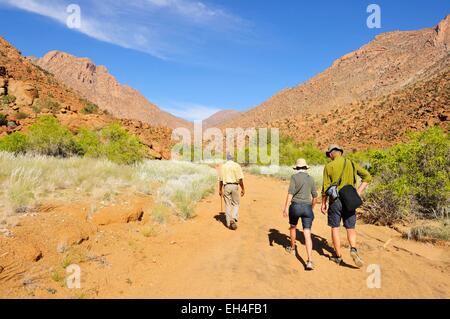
(339, 188)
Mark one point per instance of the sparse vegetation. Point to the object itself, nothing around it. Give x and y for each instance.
(440, 231)
(149, 231)
(3, 120)
(27, 181)
(160, 213)
(412, 180)
(7, 99)
(36, 109)
(21, 115)
(48, 137)
(89, 108)
(48, 104)
(119, 146)
(14, 143)
(57, 276)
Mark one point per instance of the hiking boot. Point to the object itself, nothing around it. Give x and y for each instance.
(356, 258)
(336, 259)
(290, 250)
(233, 225)
(309, 265)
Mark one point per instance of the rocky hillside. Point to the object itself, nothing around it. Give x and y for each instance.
(96, 84)
(220, 117)
(380, 122)
(27, 90)
(395, 64)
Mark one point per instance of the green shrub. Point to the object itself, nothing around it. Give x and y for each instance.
(290, 151)
(89, 108)
(112, 142)
(160, 213)
(3, 120)
(21, 115)
(119, 146)
(14, 143)
(37, 108)
(7, 99)
(430, 232)
(417, 173)
(48, 137)
(89, 143)
(49, 104)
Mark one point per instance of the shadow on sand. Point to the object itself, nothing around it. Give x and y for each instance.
(221, 218)
(320, 245)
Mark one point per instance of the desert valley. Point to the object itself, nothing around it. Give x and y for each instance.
(87, 179)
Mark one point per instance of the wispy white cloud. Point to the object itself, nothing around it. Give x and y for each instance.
(190, 111)
(162, 28)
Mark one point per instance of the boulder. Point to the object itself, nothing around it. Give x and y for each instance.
(11, 124)
(24, 92)
(154, 154)
(120, 214)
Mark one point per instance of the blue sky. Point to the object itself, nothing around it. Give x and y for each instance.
(194, 57)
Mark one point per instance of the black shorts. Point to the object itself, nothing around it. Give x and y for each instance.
(336, 213)
(303, 211)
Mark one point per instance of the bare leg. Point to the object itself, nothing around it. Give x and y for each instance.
(293, 232)
(351, 236)
(308, 243)
(336, 241)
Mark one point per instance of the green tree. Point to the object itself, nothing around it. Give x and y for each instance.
(14, 143)
(48, 137)
(119, 146)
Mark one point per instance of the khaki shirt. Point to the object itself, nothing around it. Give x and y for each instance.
(230, 173)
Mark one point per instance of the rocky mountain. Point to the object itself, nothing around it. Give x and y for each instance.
(220, 117)
(360, 88)
(96, 84)
(27, 91)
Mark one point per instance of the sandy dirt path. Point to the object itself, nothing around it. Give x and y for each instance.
(210, 261)
(201, 258)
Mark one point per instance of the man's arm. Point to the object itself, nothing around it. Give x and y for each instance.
(314, 194)
(365, 177)
(241, 183)
(220, 188)
(324, 208)
(325, 186)
(240, 176)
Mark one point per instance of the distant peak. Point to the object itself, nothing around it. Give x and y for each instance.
(443, 32)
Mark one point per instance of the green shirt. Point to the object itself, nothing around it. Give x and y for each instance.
(333, 171)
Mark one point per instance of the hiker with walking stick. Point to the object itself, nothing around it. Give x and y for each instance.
(230, 178)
